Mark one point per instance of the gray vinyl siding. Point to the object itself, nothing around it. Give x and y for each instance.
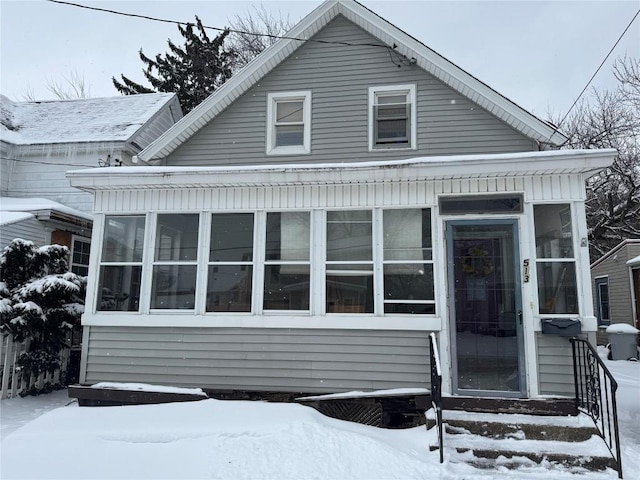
(615, 268)
(338, 77)
(27, 229)
(294, 360)
(555, 365)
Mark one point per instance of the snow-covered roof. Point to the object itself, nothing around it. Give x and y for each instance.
(420, 168)
(11, 209)
(634, 261)
(74, 121)
(388, 34)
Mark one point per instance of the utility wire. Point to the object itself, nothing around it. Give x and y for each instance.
(21, 160)
(240, 32)
(596, 72)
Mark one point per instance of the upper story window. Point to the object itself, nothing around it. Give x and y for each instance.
(392, 117)
(289, 123)
(555, 259)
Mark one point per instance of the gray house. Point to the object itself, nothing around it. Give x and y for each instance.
(616, 286)
(311, 223)
(41, 140)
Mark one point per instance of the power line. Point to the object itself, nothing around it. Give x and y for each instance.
(21, 160)
(596, 72)
(219, 29)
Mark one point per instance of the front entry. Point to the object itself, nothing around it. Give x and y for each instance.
(485, 308)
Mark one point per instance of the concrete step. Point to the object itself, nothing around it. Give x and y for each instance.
(520, 427)
(511, 453)
(489, 440)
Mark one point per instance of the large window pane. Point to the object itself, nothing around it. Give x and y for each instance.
(229, 288)
(557, 290)
(349, 236)
(407, 234)
(119, 288)
(553, 231)
(288, 236)
(286, 287)
(174, 287)
(231, 237)
(412, 281)
(349, 289)
(177, 238)
(123, 239)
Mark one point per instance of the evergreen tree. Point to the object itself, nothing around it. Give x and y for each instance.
(192, 71)
(40, 302)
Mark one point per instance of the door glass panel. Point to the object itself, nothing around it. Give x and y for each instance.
(486, 318)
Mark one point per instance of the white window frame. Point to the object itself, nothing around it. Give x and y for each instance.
(74, 239)
(272, 100)
(410, 91)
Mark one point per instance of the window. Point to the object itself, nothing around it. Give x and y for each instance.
(287, 262)
(80, 250)
(555, 262)
(480, 204)
(289, 123)
(392, 117)
(121, 263)
(602, 301)
(230, 271)
(372, 262)
(349, 265)
(408, 262)
(175, 262)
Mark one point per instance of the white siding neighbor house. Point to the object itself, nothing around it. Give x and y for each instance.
(41, 140)
(311, 223)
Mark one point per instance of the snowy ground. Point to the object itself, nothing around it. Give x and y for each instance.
(214, 439)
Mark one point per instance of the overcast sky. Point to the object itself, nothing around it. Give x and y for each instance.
(538, 54)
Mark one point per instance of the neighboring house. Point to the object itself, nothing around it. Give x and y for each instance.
(308, 225)
(616, 286)
(41, 140)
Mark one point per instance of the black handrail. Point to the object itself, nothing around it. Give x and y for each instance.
(436, 390)
(596, 395)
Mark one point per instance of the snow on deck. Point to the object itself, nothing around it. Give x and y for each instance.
(83, 120)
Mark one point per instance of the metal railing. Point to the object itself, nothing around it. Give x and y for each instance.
(596, 395)
(436, 390)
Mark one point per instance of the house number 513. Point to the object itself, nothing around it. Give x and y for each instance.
(525, 270)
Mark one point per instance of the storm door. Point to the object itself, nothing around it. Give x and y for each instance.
(486, 308)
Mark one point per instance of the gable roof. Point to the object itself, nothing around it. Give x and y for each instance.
(78, 121)
(388, 34)
(615, 250)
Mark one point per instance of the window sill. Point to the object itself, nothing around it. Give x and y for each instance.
(297, 150)
(386, 149)
(333, 321)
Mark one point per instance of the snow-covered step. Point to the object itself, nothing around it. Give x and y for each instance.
(519, 426)
(484, 452)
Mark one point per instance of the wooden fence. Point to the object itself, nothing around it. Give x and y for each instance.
(11, 382)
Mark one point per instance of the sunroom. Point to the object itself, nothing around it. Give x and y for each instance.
(329, 277)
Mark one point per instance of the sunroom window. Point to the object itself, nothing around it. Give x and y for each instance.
(408, 262)
(287, 261)
(555, 260)
(175, 262)
(349, 278)
(230, 270)
(121, 263)
(392, 117)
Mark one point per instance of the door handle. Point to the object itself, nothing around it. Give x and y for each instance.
(520, 316)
